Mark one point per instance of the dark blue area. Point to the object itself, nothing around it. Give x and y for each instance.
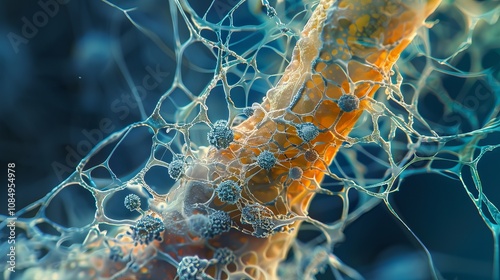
(62, 91)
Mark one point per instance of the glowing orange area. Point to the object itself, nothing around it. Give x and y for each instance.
(347, 49)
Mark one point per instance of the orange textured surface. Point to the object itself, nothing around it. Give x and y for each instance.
(346, 48)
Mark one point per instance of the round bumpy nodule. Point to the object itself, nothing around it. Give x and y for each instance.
(221, 135)
(210, 226)
(311, 155)
(191, 268)
(147, 229)
(198, 224)
(228, 191)
(261, 219)
(266, 160)
(176, 169)
(348, 102)
(307, 131)
(248, 111)
(295, 173)
(219, 222)
(132, 202)
(224, 256)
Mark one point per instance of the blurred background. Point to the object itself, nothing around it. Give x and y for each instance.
(62, 85)
(68, 75)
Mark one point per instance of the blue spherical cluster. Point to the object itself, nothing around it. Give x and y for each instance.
(224, 256)
(248, 111)
(348, 102)
(132, 202)
(198, 224)
(192, 268)
(307, 131)
(228, 191)
(147, 229)
(266, 160)
(261, 219)
(221, 135)
(219, 222)
(210, 226)
(295, 173)
(176, 169)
